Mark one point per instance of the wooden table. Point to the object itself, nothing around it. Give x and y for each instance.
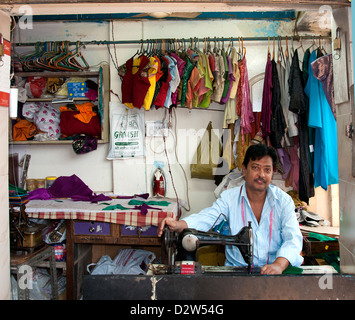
(91, 231)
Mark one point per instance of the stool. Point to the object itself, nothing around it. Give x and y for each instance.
(32, 260)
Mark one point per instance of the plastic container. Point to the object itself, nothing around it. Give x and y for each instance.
(30, 184)
(50, 181)
(40, 183)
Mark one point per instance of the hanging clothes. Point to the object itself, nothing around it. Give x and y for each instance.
(322, 119)
(226, 76)
(240, 87)
(152, 76)
(174, 81)
(181, 69)
(292, 129)
(323, 71)
(164, 83)
(205, 100)
(135, 82)
(219, 78)
(189, 67)
(230, 111)
(299, 104)
(277, 122)
(229, 81)
(266, 101)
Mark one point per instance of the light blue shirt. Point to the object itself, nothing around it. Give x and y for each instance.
(286, 239)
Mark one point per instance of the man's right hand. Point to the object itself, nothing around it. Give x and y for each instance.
(172, 224)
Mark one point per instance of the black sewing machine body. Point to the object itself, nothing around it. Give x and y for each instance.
(189, 240)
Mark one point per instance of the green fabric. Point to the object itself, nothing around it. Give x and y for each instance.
(116, 206)
(149, 203)
(292, 270)
(331, 258)
(321, 237)
(18, 190)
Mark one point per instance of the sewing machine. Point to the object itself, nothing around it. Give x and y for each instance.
(182, 248)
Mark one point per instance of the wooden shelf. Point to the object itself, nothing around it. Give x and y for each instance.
(58, 74)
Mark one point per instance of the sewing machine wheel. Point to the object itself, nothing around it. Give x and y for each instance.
(189, 242)
(168, 239)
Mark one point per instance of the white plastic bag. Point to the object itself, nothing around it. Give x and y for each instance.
(127, 131)
(127, 261)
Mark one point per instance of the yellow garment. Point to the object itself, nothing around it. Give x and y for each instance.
(241, 150)
(152, 72)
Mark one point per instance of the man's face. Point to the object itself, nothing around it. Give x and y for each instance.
(258, 174)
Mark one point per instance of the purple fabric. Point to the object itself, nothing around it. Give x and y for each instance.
(144, 208)
(39, 194)
(285, 161)
(266, 102)
(67, 187)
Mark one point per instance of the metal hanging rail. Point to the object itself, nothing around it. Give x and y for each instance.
(167, 40)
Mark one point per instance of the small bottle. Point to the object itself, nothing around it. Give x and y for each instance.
(50, 181)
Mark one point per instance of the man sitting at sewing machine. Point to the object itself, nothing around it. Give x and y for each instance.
(276, 233)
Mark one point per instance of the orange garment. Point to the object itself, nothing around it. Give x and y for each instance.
(85, 110)
(23, 130)
(192, 87)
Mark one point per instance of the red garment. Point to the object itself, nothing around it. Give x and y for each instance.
(135, 83)
(127, 82)
(240, 87)
(141, 83)
(160, 99)
(70, 126)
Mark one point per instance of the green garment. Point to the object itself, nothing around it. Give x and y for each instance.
(321, 237)
(185, 79)
(116, 206)
(149, 203)
(292, 270)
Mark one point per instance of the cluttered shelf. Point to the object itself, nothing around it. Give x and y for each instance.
(36, 118)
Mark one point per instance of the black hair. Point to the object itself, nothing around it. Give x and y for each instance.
(258, 151)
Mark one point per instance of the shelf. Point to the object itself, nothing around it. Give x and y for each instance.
(58, 74)
(52, 98)
(100, 141)
(103, 79)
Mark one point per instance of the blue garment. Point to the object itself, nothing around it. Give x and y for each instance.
(286, 238)
(326, 143)
(172, 71)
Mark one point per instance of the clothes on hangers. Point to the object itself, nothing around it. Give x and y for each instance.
(322, 119)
